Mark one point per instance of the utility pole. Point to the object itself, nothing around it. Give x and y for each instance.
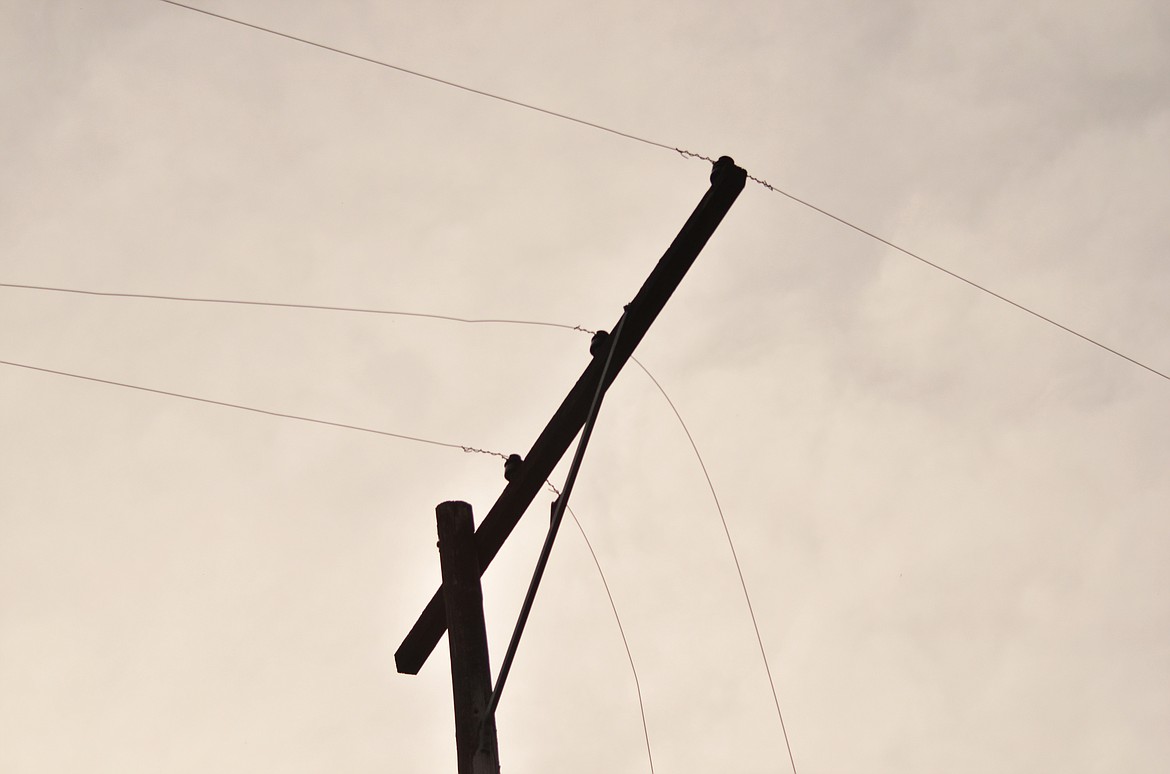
(471, 679)
(458, 605)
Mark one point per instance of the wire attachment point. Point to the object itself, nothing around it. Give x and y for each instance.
(512, 467)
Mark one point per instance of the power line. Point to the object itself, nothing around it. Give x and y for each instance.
(467, 449)
(268, 412)
(282, 305)
(735, 557)
(431, 316)
(959, 277)
(621, 629)
(465, 320)
(686, 154)
(544, 324)
(417, 74)
(401, 436)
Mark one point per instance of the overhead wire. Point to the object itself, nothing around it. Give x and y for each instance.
(285, 305)
(253, 409)
(621, 629)
(400, 436)
(417, 74)
(961, 278)
(686, 154)
(579, 328)
(735, 556)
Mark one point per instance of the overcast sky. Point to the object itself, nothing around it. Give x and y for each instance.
(951, 516)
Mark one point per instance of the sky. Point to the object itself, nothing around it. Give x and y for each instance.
(951, 515)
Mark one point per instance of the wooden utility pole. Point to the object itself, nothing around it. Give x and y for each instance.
(465, 552)
(471, 680)
(727, 180)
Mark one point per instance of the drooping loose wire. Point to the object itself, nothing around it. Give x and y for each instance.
(617, 618)
(735, 557)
